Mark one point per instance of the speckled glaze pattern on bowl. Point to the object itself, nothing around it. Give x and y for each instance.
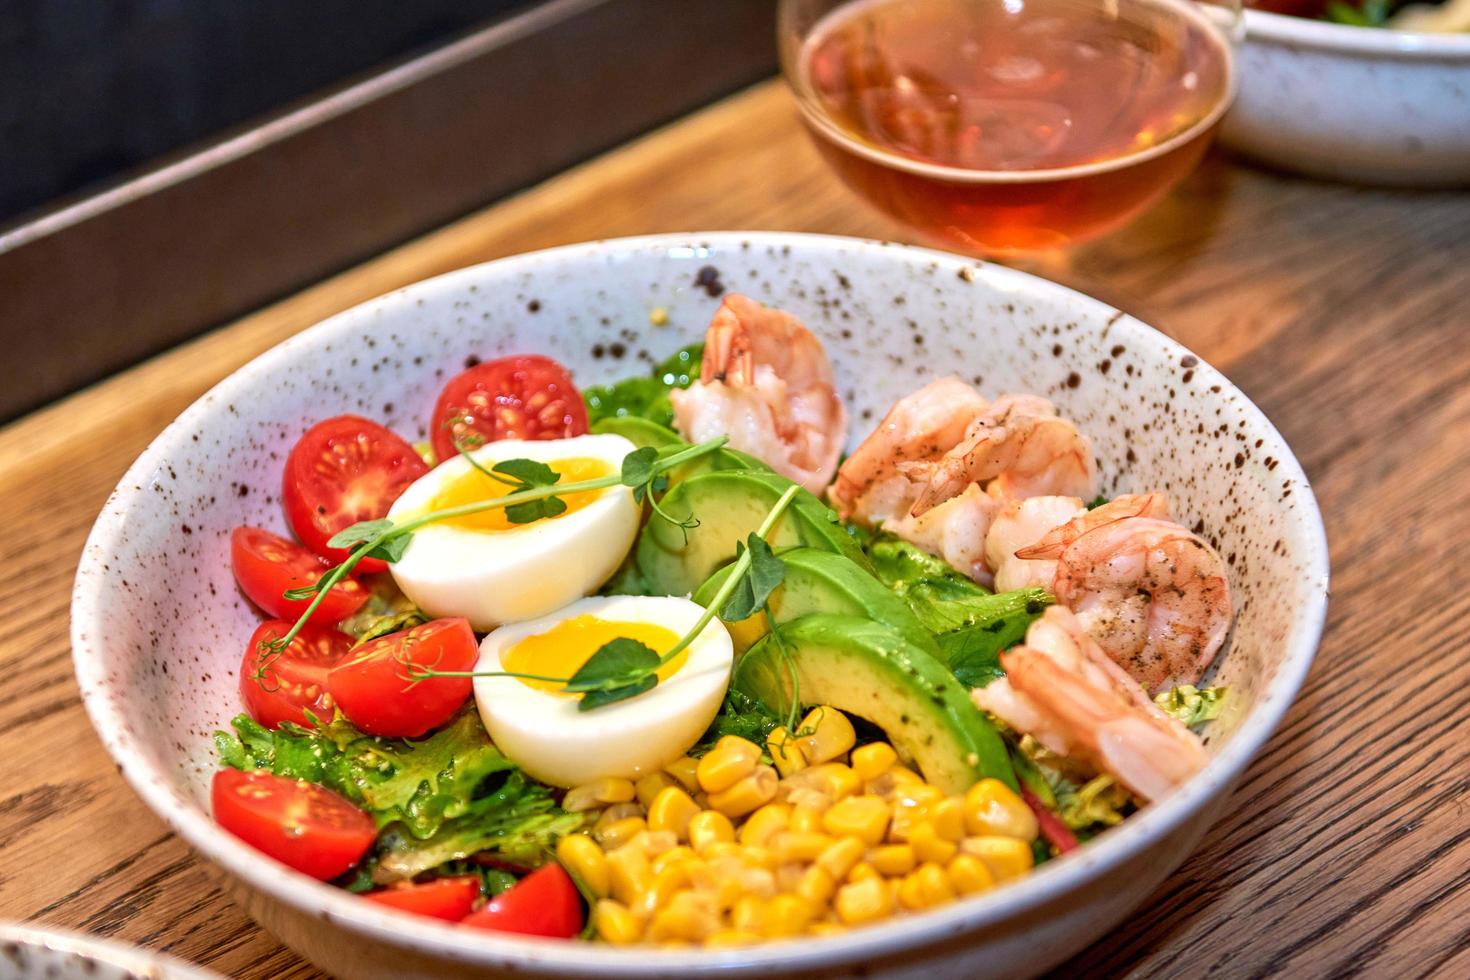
(158, 626)
(1353, 103)
(29, 952)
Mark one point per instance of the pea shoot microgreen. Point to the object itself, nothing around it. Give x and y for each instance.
(533, 485)
(623, 667)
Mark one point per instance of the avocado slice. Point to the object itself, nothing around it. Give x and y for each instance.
(822, 582)
(729, 505)
(869, 670)
(642, 432)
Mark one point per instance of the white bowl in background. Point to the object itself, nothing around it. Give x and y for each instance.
(1360, 104)
(158, 627)
(34, 952)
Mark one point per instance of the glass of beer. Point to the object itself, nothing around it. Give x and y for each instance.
(1008, 127)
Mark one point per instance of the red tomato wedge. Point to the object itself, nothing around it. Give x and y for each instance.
(267, 565)
(443, 898)
(526, 397)
(344, 470)
(302, 825)
(544, 903)
(376, 689)
(294, 682)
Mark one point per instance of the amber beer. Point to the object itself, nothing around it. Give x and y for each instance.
(1004, 126)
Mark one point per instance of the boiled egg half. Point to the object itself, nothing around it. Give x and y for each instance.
(491, 571)
(542, 730)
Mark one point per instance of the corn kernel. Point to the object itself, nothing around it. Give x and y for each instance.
(793, 792)
(689, 916)
(764, 824)
(1006, 857)
(969, 874)
(671, 810)
(759, 856)
(647, 788)
(826, 929)
(654, 842)
(629, 876)
(993, 809)
(749, 913)
(616, 812)
(666, 884)
(792, 845)
(788, 876)
(910, 892)
(948, 817)
(840, 856)
(785, 751)
(619, 832)
(834, 779)
(825, 733)
(786, 915)
(862, 871)
(816, 885)
(722, 850)
(731, 939)
(731, 760)
(928, 845)
(709, 827)
(585, 861)
(863, 901)
(864, 817)
(805, 819)
(615, 923)
(873, 760)
(674, 854)
(599, 792)
(685, 771)
(893, 859)
(755, 790)
(934, 884)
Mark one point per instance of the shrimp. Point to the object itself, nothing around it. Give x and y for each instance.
(1017, 524)
(1064, 691)
(765, 382)
(1020, 448)
(1153, 595)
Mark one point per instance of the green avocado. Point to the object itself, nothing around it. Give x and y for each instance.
(729, 505)
(641, 432)
(869, 670)
(822, 582)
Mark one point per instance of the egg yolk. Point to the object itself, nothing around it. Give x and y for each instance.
(473, 486)
(562, 650)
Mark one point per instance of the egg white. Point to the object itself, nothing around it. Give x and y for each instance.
(506, 576)
(547, 736)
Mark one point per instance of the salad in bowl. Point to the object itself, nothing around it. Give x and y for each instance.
(647, 665)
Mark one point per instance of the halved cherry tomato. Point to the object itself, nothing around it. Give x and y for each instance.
(267, 565)
(544, 903)
(344, 470)
(526, 397)
(443, 898)
(294, 682)
(379, 694)
(300, 824)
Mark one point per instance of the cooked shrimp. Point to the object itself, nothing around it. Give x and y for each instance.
(765, 382)
(1064, 691)
(1019, 448)
(1059, 535)
(1020, 523)
(1154, 595)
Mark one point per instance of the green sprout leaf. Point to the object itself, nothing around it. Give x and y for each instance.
(535, 510)
(616, 663)
(638, 467)
(359, 532)
(596, 699)
(392, 549)
(527, 472)
(755, 588)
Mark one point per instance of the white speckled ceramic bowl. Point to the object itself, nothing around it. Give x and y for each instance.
(30, 952)
(158, 626)
(1353, 103)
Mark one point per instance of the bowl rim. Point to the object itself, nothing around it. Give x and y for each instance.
(136, 960)
(1321, 35)
(313, 898)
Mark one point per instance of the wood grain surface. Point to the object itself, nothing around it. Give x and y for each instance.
(1342, 311)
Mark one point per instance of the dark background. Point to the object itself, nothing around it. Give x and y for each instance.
(91, 89)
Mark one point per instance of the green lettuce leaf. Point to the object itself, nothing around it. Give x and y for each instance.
(740, 715)
(1191, 705)
(648, 396)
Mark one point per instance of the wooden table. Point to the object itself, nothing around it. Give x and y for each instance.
(1343, 312)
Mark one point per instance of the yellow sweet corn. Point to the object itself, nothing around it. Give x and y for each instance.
(685, 771)
(619, 832)
(934, 885)
(615, 923)
(824, 734)
(709, 827)
(993, 809)
(786, 915)
(677, 853)
(654, 842)
(581, 856)
(785, 751)
(947, 816)
(646, 788)
(969, 874)
(863, 901)
(805, 819)
(1006, 857)
(864, 817)
(873, 760)
(862, 871)
(671, 810)
(731, 939)
(928, 845)
(840, 856)
(731, 760)
(599, 792)
(689, 916)
(666, 884)
(893, 859)
(629, 876)
(764, 824)
(794, 845)
(751, 792)
(816, 886)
